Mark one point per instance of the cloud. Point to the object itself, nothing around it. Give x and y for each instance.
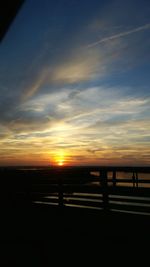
(63, 96)
(82, 66)
(30, 87)
(79, 65)
(122, 34)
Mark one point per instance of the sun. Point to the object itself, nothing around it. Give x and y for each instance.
(60, 163)
(60, 158)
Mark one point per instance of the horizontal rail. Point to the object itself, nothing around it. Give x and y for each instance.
(77, 187)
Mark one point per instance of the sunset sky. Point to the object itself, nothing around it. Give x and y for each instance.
(74, 84)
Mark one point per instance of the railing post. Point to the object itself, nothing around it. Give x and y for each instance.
(103, 177)
(136, 178)
(114, 178)
(60, 193)
(133, 179)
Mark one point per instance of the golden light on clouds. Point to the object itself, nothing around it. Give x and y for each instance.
(79, 68)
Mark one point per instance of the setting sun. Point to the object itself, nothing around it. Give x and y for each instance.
(60, 163)
(60, 158)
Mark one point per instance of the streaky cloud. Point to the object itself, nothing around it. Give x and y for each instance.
(122, 34)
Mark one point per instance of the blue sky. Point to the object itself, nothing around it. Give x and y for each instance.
(74, 83)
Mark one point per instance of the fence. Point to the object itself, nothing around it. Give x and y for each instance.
(83, 189)
(86, 187)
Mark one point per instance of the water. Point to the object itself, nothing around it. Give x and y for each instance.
(127, 175)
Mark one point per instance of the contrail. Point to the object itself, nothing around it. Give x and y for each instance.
(141, 28)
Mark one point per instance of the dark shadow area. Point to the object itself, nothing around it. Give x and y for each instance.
(37, 237)
(8, 12)
(33, 234)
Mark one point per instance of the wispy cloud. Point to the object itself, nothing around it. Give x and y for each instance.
(59, 96)
(81, 66)
(122, 34)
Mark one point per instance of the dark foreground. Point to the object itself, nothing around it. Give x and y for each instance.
(34, 234)
(41, 235)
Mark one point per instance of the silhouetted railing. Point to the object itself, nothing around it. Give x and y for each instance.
(96, 192)
(86, 187)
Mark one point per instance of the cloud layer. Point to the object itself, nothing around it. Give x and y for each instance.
(76, 89)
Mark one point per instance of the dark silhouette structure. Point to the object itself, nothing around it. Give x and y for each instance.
(8, 11)
(76, 187)
(59, 210)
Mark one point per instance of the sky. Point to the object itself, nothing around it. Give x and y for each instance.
(74, 84)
